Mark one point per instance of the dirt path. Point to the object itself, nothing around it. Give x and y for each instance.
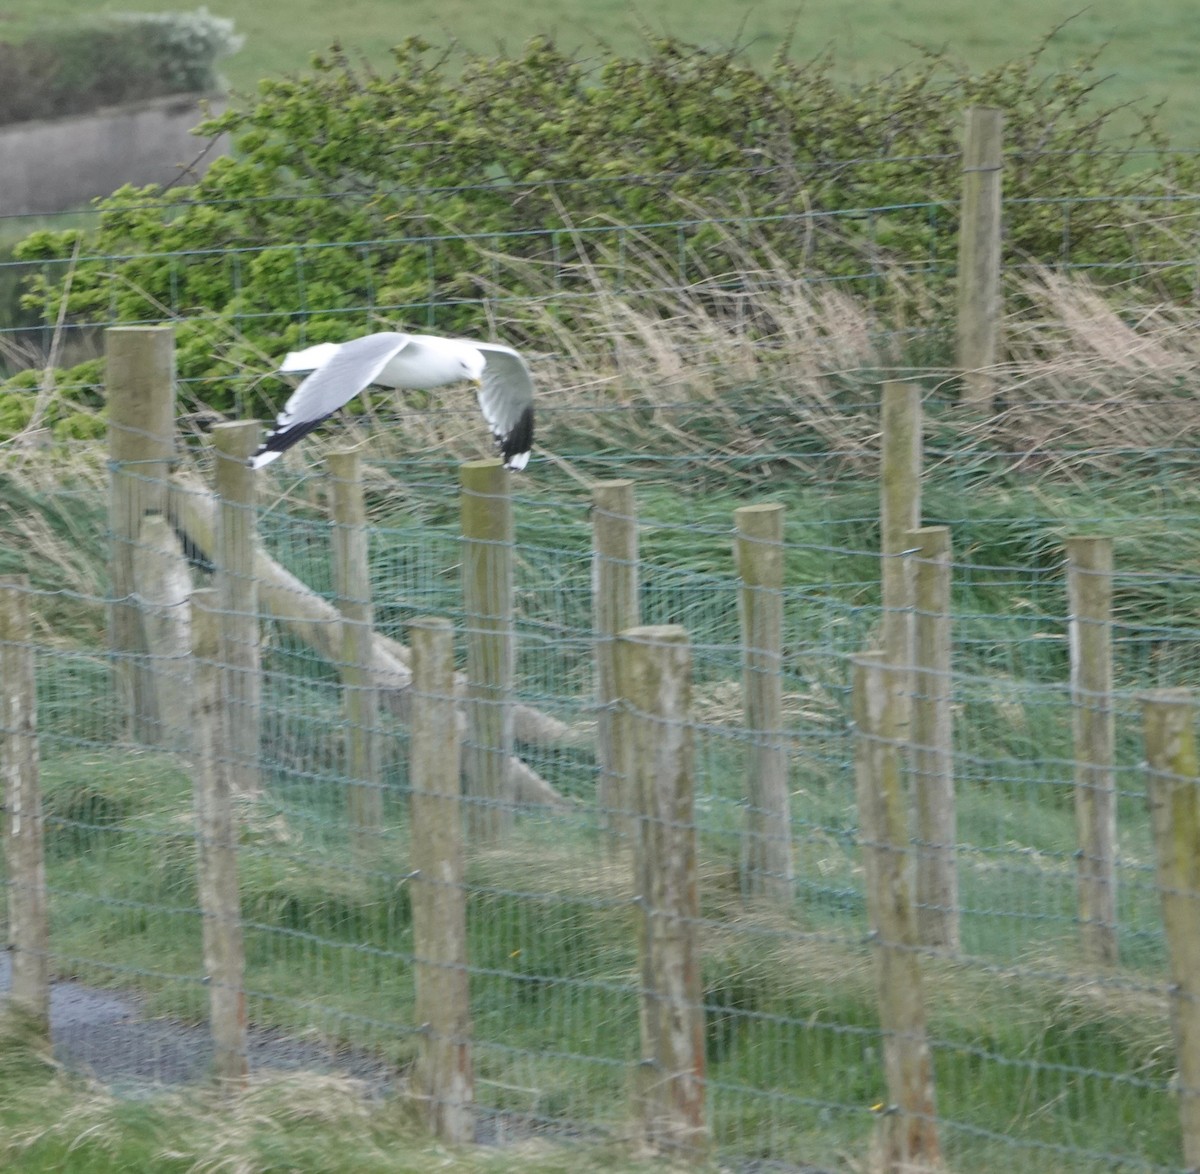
(107, 1035)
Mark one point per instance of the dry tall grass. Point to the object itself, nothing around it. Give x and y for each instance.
(747, 364)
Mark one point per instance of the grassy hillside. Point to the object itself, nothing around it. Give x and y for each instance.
(1151, 52)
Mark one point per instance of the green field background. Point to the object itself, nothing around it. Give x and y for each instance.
(1151, 53)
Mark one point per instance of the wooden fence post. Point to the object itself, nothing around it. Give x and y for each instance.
(352, 584)
(1173, 791)
(163, 583)
(899, 512)
(216, 845)
(237, 589)
(654, 674)
(24, 851)
(979, 300)
(487, 526)
(932, 739)
(767, 839)
(140, 387)
(906, 1139)
(444, 1074)
(615, 607)
(1089, 593)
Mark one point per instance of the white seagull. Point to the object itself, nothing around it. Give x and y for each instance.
(416, 362)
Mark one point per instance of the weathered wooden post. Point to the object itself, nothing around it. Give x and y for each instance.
(1173, 791)
(932, 739)
(28, 928)
(614, 608)
(140, 389)
(216, 844)
(654, 674)
(906, 1139)
(979, 300)
(444, 1075)
(1089, 593)
(487, 575)
(352, 584)
(163, 584)
(237, 590)
(767, 839)
(899, 512)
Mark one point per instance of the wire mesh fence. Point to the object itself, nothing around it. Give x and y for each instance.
(431, 277)
(1040, 1058)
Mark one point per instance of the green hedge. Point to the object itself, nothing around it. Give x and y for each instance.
(350, 194)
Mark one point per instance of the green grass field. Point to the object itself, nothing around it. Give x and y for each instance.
(1152, 54)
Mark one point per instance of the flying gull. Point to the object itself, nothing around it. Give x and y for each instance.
(410, 362)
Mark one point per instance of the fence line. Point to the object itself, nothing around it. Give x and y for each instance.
(759, 999)
(972, 221)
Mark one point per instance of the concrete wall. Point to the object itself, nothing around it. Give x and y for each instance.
(52, 165)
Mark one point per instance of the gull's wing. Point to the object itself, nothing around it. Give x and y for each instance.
(506, 400)
(309, 359)
(346, 370)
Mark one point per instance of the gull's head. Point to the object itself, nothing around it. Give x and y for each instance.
(473, 364)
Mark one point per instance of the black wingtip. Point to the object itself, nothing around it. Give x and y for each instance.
(282, 439)
(519, 440)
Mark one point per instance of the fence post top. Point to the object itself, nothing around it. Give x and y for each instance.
(762, 507)
(483, 478)
(431, 623)
(156, 328)
(1178, 697)
(655, 634)
(869, 658)
(348, 456)
(927, 541)
(236, 438)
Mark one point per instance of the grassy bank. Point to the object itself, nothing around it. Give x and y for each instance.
(49, 1121)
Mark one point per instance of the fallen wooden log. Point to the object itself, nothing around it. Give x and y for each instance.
(317, 623)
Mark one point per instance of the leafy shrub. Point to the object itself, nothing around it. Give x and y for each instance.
(422, 195)
(125, 58)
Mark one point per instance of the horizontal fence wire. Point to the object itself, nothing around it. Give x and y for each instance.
(866, 249)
